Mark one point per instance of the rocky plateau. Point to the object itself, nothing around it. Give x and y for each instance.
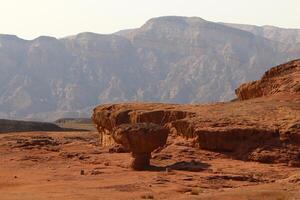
(262, 124)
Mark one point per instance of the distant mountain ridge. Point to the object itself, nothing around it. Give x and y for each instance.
(168, 59)
(8, 126)
(283, 35)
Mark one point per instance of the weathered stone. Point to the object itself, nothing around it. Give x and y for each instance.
(261, 125)
(141, 139)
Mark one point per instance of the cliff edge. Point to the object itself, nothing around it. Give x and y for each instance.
(284, 78)
(262, 125)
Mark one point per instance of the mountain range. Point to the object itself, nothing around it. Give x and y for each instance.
(168, 59)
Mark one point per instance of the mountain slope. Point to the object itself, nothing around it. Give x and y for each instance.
(284, 35)
(208, 60)
(168, 59)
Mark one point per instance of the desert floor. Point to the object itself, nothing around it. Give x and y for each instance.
(72, 165)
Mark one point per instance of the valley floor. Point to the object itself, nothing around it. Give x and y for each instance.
(72, 165)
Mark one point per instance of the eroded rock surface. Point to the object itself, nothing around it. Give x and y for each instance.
(141, 139)
(284, 78)
(265, 127)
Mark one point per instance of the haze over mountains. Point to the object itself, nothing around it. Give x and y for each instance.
(168, 59)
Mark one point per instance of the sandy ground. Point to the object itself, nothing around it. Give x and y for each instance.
(72, 165)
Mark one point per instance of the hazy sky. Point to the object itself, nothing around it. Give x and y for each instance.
(31, 18)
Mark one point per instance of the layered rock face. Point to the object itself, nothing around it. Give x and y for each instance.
(281, 79)
(264, 127)
(168, 59)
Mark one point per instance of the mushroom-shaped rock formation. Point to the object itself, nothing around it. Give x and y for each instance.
(141, 139)
(262, 124)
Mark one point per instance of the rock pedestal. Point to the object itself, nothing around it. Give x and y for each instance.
(140, 161)
(141, 139)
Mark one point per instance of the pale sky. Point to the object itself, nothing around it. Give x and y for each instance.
(29, 19)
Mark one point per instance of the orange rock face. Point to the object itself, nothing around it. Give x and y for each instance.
(265, 127)
(284, 78)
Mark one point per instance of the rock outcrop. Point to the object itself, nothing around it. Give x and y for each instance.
(264, 127)
(284, 78)
(141, 139)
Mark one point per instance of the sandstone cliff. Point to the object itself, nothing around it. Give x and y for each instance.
(264, 128)
(281, 79)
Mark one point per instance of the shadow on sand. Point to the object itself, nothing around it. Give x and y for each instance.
(193, 166)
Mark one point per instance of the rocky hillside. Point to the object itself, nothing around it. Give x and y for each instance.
(263, 128)
(168, 59)
(288, 36)
(278, 80)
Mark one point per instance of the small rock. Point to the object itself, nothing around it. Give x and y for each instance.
(147, 196)
(195, 191)
(118, 148)
(96, 172)
(188, 179)
(82, 172)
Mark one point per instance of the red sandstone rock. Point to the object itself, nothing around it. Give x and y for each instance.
(284, 78)
(267, 123)
(141, 139)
